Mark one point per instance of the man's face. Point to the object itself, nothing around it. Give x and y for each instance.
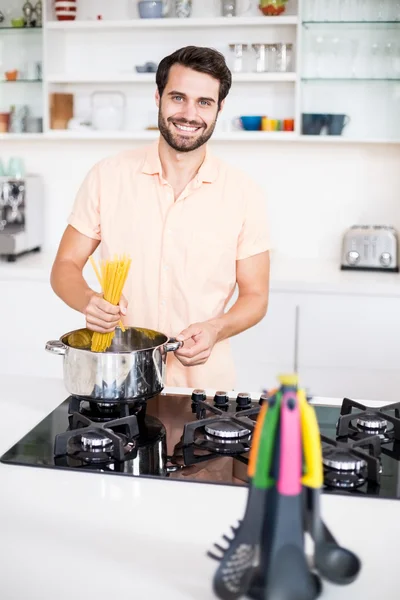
(188, 108)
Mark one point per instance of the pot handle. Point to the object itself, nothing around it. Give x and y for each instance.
(172, 345)
(56, 347)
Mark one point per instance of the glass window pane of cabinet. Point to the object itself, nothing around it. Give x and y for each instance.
(351, 69)
(21, 92)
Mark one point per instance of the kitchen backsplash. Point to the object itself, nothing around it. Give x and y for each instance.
(314, 191)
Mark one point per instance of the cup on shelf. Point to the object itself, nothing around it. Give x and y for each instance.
(16, 167)
(336, 123)
(156, 9)
(65, 10)
(248, 123)
(238, 57)
(288, 125)
(4, 122)
(313, 123)
(183, 9)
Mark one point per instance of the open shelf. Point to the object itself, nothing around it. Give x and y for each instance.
(151, 77)
(173, 23)
(352, 79)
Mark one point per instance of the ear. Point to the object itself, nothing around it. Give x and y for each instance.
(157, 97)
(221, 107)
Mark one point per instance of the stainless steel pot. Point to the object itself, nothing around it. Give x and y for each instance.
(131, 369)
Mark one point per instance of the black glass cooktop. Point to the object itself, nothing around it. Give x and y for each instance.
(195, 438)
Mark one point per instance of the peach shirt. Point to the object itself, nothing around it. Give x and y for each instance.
(183, 252)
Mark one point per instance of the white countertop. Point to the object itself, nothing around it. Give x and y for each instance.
(287, 275)
(66, 534)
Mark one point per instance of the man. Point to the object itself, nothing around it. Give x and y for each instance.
(193, 226)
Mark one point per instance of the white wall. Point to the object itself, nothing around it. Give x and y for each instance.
(314, 190)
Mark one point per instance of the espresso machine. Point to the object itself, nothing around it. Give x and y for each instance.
(21, 216)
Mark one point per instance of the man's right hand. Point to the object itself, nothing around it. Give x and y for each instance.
(102, 316)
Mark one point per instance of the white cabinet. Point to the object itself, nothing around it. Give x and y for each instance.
(349, 346)
(31, 315)
(268, 349)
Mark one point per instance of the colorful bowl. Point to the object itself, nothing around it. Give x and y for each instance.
(251, 123)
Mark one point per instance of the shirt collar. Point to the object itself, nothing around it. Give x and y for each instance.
(207, 173)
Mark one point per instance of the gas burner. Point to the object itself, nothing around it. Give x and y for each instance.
(343, 469)
(357, 420)
(101, 412)
(221, 432)
(227, 430)
(348, 465)
(93, 441)
(372, 423)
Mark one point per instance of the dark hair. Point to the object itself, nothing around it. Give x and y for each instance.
(204, 60)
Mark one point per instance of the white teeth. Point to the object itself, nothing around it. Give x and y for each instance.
(185, 128)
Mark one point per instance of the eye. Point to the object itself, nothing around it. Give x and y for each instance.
(205, 103)
(178, 98)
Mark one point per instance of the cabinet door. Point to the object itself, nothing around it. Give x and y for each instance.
(31, 315)
(349, 345)
(267, 349)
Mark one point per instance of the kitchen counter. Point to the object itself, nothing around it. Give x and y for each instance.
(112, 536)
(287, 275)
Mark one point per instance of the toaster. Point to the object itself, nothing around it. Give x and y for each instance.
(370, 248)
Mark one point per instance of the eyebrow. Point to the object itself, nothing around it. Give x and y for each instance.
(176, 93)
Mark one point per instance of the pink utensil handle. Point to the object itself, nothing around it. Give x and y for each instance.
(290, 460)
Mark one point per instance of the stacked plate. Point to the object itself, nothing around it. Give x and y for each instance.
(65, 10)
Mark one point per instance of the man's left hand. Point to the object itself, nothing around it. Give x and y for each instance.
(199, 339)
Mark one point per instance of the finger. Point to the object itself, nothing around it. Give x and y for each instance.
(189, 332)
(105, 306)
(193, 351)
(104, 326)
(201, 359)
(96, 312)
(123, 305)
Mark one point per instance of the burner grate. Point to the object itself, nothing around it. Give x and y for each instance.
(382, 420)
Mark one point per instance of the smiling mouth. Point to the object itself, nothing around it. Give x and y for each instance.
(186, 128)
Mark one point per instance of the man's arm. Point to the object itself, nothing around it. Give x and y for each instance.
(68, 283)
(252, 276)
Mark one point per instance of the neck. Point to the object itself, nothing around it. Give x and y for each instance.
(180, 165)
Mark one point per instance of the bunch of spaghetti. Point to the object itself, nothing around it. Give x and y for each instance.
(112, 280)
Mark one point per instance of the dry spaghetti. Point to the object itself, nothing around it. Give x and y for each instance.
(112, 277)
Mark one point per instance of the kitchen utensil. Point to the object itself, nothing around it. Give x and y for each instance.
(370, 248)
(108, 110)
(183, 9)
(154, 9)
(336, 564)
(289, 577)
(132, 368)
(61, 110)
(234, 574)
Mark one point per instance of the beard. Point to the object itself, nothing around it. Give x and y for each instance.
(179, 142)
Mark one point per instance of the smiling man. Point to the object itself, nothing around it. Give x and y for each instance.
(193, 226)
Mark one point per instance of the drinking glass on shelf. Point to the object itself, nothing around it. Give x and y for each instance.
(376, 60)
(284, 53)
(271, 57)
(238, 57)
(381, 13)
(389, 56)
(319, 53)
(261, 57)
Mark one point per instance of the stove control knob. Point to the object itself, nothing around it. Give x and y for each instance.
(221, 399)
(199, 396)
(263, 398)
(386, 259)
(243, 400)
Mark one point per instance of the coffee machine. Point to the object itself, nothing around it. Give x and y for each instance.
(21, 216)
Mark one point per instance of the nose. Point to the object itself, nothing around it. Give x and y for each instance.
(190, 111)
